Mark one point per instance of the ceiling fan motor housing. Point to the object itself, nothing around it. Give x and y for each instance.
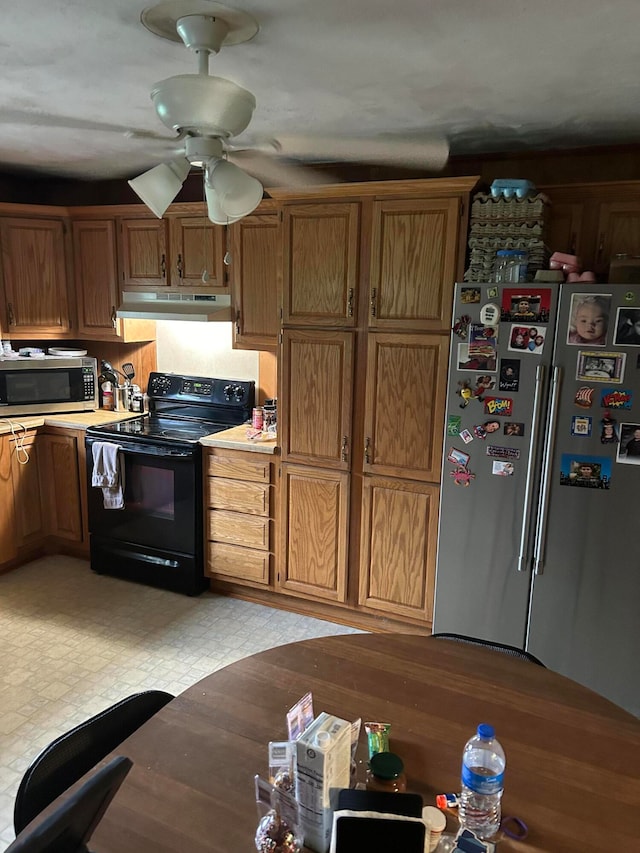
(203, 104)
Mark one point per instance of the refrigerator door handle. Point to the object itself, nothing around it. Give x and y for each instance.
(543, 507)
(538, 399)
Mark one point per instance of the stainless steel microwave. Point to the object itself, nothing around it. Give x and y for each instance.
(42, 386)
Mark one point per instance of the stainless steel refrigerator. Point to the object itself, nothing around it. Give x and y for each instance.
(539, 531)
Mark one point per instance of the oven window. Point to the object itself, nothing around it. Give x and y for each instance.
(32, 386)
(151, 490)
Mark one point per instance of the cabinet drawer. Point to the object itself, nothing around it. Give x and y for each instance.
(251, 531)
(238, 496)
(238, 469)
(238, 563)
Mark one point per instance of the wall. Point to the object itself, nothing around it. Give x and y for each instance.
(203, 349)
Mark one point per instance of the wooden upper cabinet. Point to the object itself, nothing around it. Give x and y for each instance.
(399, 529)
(618, 231)
(95, 264)
(317, 379)
(320, 267)
(143, 252)
(196, 245)
(564, 230)
(404, 408)
(256, 269)
(34, 273)
(414, 256)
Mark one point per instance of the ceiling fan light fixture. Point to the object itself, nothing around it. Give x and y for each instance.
(158, 187)
(237, 193)
(215, 213)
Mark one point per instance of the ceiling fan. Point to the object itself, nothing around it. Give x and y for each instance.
(206, 113)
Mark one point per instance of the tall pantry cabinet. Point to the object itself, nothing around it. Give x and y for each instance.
(368, 278)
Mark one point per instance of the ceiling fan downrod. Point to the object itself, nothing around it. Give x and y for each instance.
(204, 35)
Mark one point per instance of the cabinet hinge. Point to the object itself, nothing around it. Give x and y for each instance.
(281, 216)
(281, 313)
(280, 338)
(461, 210)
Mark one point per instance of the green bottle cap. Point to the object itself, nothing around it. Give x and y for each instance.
(386, 765)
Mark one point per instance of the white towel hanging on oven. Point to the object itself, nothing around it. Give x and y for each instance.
(108, 473)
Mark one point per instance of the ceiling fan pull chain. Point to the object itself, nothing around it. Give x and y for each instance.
(205, 273)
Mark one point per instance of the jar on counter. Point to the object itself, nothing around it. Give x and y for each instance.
(511, 266)
(386, 773)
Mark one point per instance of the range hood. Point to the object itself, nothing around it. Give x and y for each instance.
(156, 305)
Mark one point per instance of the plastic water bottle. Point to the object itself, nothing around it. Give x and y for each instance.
(483, 764)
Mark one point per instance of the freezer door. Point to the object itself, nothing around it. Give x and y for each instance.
(584, 615)
(486, 521)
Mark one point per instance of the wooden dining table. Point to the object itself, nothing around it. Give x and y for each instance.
(572, 756)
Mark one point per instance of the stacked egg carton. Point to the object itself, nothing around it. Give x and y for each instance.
(506, 223)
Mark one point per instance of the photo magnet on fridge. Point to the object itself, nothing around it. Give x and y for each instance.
(453, 424)
(587, 472)
(509, 374)
(477, 363)
(589, 319)
(513, 428)
(527, 339)
(458, 457)
(609, 430)
(627, 327)
(502, 469)
(469, 295)
(629, 447)
(594, 366)
(525, 304)
(581, 426)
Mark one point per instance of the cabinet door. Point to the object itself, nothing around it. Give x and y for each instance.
(143, 252)
(196, 245)
(58, 455)
(35, 276)
(618, 231)
(314, 532)
(398, 547)
(256, 268)
(404, 408)
(564, 230)
(8, 545)
(414, 257)
(25, 472)
(95, 256)
(320, 264)
(317, 378)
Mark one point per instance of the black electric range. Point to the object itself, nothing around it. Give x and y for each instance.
(157, 535)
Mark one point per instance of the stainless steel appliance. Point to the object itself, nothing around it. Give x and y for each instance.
(157, 538)
(46, 385)
(541, 476)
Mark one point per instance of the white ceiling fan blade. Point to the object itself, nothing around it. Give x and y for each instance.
(431, 153)
(273, 172)
(34, 119)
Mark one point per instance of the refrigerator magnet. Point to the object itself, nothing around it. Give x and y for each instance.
(481, 362)
(584, 397)
(509, 374)
(502, 469)
(527, 339)
(458, 457)
(466, 436)
(498, 406)
(587, 472)
(453, 424)
(629, 447)
(581, 426)
(490, 314)
(514, 428)
(526, 305)
(627, 327)
(469, 295)
(502, 452)
(594, 366)
(461, 326)
(462, 476)
(609, 430)
(492, 293)
(614, 398)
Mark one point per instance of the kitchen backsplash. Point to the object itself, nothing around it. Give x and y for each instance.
(203, 349)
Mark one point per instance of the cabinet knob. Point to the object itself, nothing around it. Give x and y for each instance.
(10, 317)
(179, 266)
(367, 450)
(163, 267)
(344, 453)
(374, 296)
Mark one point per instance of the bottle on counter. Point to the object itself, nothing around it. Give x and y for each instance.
(511, 266)
(108, 400)
(386, 773)
(483, 763)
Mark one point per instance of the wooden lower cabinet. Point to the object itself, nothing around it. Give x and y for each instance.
(314, 532)
(8, 544)
(60, 486)
(399, 529)
(25, 475)
(239, 516)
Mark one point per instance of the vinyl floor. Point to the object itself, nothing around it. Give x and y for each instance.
(72, 643)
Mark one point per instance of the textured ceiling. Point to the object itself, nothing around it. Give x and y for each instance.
(492, 75)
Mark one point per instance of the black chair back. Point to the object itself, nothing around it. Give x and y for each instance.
(512, 651)
(74, 753)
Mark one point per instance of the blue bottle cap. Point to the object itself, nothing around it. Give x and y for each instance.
(486, 731)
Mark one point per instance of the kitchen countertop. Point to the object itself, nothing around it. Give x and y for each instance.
(70, 420)
(235, 438)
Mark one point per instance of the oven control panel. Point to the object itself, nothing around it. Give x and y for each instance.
(201, 389)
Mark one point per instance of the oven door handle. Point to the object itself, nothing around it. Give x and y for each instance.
(152, 450)
(147, 558)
